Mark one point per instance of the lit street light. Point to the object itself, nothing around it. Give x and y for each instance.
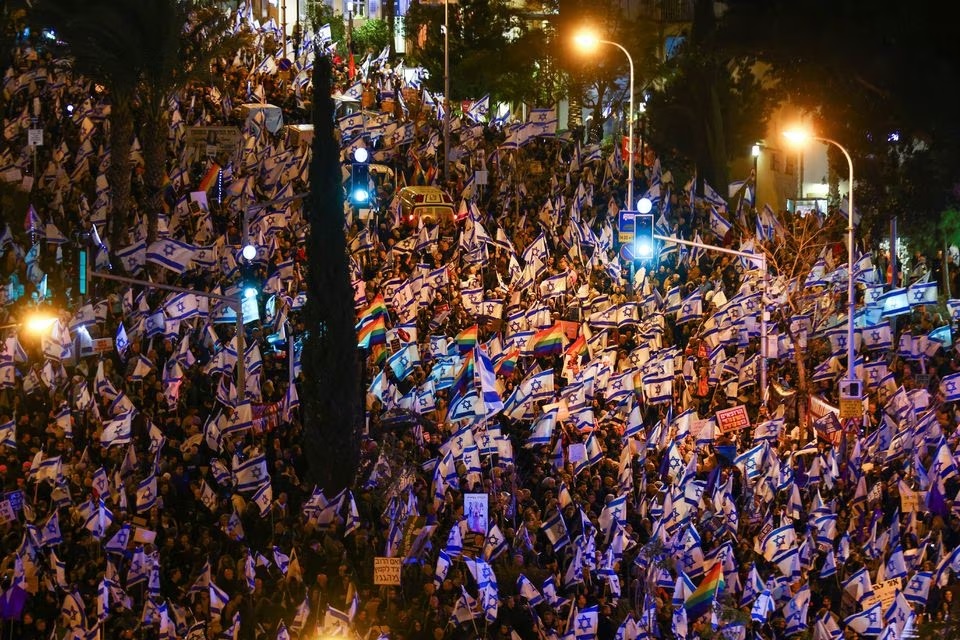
(800, 138)
(588, 41)
(755, 152)
(37, 323)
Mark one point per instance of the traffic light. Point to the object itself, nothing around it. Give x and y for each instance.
(643, 240)
(249, 283)
(360, 178)
(83, 271)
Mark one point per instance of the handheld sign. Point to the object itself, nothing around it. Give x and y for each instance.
(386, 571)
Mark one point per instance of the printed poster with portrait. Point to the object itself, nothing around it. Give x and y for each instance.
(476, 509)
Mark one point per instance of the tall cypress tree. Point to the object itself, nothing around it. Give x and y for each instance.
(331, 394)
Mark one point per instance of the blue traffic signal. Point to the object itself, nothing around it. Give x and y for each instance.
(643, 240)
(360, 178)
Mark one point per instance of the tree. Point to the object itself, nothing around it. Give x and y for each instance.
(798, 243)
(12, 16)
(144, 51)
(371, 36)
(320, 14)
(105, 44)
(332, 395)
(186, 38)
(390, 17)
(600, 80)
(709, 106)
(489, 53)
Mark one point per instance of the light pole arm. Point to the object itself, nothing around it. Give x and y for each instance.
(235, 302)
(762, 259)
(758, 257)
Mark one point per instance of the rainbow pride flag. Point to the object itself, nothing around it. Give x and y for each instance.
(467, 339)
(464, 379)
(377, 307)
(209, 178)
(547, 342)
(702, 599)
(507, 364)
(371, 330)
(578, 347)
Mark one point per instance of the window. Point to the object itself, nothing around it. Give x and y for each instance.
(359, 8)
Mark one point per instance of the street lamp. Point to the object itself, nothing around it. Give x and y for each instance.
(37, 323)
(349, 29)
(446, 90)
(588, 41)
(755, 152)
(799, 138)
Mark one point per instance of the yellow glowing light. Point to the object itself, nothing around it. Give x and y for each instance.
(587, 41)
(797, 137)
(39, 323)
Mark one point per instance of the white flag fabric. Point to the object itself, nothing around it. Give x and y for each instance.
(171, 254)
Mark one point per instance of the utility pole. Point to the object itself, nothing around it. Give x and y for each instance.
(283, 25)
(349, 29)
(446, 90)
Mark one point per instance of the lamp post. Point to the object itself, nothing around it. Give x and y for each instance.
(35, 323)
(799, 138)
(587, 41)
(446, 90)
(755, 152)
(349, 29)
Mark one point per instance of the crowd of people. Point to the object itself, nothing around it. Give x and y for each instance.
(558, 444)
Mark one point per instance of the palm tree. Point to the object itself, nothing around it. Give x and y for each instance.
(104, 40)
(330, 363)
(186, 38)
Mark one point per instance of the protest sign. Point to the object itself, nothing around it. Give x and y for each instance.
(386, 571)
(732, 419)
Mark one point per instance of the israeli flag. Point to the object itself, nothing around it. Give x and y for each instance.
(585, 623)
(351, 125)
(941, 335)
(542, 431)
(868, 622)
(922, 293)
(950, 388)
(478, 110)
(895, 303)
(544, 121)
(878, 337)
(718, 224)
(133, 257)
(403, 361)
(171, 254)
(121, 342)
(751, 460)
(691, 308)
(954, 307)
(249, 475)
